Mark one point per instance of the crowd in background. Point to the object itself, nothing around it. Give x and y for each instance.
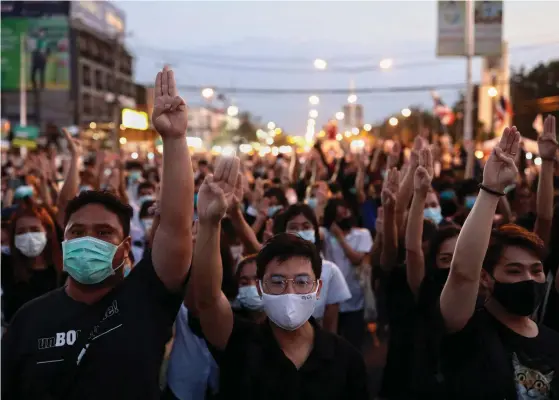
(450, 260)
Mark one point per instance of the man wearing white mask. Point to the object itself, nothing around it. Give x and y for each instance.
(288, 355)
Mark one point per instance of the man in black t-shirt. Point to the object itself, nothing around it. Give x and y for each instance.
(288, 356)
(497, 352)
(102, 336)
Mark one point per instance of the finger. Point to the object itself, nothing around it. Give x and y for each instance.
(157, 88)
(219, 168)
(209, 179)
(504, 137)
(177, 101)
(234, 172)
(165, 81)
(511, 139)
(515, 144)
(171, 82)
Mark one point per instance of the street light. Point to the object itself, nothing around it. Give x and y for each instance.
(340, 115)
(367, 127)
(232, 111)
(406, 112)
(492, 91)
(385, 63)
(311, 122)
(393, 121)
(314, 100)
(208, 93)
(319, 63)
(313, 114)
(352, 98)
(271, 125)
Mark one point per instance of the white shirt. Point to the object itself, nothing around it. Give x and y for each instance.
(334, 288)
(360, 240)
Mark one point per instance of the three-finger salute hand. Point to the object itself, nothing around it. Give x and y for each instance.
(211, 201)
(500, 169)
(547, 142)
(390, 189)
(424, 173)
(169, 112)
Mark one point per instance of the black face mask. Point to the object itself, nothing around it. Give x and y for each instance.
(345, 224)
(520, 298)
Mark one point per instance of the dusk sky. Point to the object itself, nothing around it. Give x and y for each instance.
(212, 43)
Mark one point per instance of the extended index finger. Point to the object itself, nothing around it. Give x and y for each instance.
(220, 168)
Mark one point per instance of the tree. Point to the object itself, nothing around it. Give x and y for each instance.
(247, 128)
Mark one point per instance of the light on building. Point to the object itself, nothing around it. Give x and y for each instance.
(195, 142)
(367, 127)
(538, 161)
(232, 111)
(479, 154)
(355, 131)
(393, 121)
(320, 64)
(278, 131)
(134, 156)
(271, 125)
(311, 122)
(406, 112)
(385, 63)
(216, 149)
(135, 119)
(122, 127)
(285, 149)
(245, 148)
(352, 98)
(228, 151)
(314, 100)
(122, 140)
(339, 136)
(347, 134)
(208, 93)
(92, 125)
(313, 114)
(492, 91)
(270, 140)
(275, 151)
(151, 155)
(340, 115)
(529, 156)
(357, 145)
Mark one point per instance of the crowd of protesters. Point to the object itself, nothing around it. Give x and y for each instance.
(198, 277)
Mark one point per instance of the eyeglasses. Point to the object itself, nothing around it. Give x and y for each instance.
(278, 285)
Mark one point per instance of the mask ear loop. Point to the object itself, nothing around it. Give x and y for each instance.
(123, 258)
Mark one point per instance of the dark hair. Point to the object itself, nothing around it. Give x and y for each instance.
(511, 235)
(145, 185)
(281, 220)
(331, 210)
(440, 236)
(429, 230)
(247, 260)
(134, 165)
(203, 162)
(145, 209)
(285, 246)
(278, 194)
(106, 199)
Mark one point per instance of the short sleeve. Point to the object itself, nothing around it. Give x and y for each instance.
(365, 241)
(338, 291)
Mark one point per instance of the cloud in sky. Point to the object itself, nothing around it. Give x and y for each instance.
(219, 32)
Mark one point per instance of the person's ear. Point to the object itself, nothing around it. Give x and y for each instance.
(126, 247)
(319, 288)
(486, 282)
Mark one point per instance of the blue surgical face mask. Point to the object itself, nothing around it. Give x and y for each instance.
(6, 250)
(273, 209)
(23, 192)
(195, 200)
(85, 188)
(312, 202)
(469, 202)
(433, 214)
(89, 260)
(448, 195)
(126, 270)
(135, 175)
(249, 298)
(309, 235)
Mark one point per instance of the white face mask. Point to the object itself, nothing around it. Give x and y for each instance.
(147, 223)
(289, 311)
(31, 244)
(249, 298)
(309, 235)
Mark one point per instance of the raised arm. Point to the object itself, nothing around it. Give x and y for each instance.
(458, 298)
(406, 190)
(415, 262)
(389, 254)
(71, 184)
(172, 244)
(214, 310)
(547, 146)
(242, 228)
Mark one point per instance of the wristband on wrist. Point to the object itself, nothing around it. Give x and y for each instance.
(491, 191)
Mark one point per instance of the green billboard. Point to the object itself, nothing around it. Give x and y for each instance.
(46, 52)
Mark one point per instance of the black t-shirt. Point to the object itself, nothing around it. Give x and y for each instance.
(253, 366)
(16, 293)
(126, 347)
(487, 360)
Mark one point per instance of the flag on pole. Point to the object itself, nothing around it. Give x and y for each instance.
(503, 110)
(442, 111)
(538, 124)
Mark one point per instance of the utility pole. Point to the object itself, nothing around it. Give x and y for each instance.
(116, 104)
(468, 109)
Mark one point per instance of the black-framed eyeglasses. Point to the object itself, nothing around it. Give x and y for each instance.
(277, 285)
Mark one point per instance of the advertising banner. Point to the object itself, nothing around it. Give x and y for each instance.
(25, 136)
(101, 16)
(488, 28)
(46, 52)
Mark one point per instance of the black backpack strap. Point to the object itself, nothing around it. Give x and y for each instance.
(74, 356)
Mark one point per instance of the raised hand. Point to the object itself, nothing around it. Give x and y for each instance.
(169, 112)
(217, 191)
(379, 223)
(424, 172)
(73, 145)
(418, 145)
(547, 142)
(500, 170)
(394, 155)
(237, 194)
(336, 231)
(390, 189)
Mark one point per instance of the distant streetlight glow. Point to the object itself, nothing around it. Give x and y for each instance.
(340, 115)
(367, 127)
(406, 112)
(352, 98)
(355, 131)
(319, 63)
(393, 121)
(232, 111)
(492, 91)
(271, 125)
(208, 93)
(313, 114)
(339, 137)
(311, 122)
(385, 63)
(314, 100)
